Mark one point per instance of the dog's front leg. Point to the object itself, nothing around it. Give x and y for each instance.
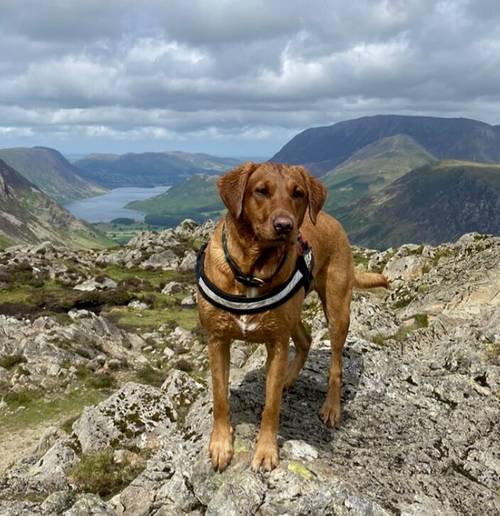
(221, 440)
(266, 452)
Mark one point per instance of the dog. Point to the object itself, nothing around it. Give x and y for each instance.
(272, 210)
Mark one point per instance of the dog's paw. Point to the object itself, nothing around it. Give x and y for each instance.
(265, 457)
(221, 449)
(330, 414)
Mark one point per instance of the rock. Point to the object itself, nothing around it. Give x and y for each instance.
(138, 305)
(188, 300)
(172, 287)
(166, 260)
(406, 268)
(180, 339)
(90, 505)
(126, 417)
(95, 284)
(181, 389)
(421, 376)
(300, 450)
(188, 263)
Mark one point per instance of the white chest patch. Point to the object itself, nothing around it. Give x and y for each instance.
(246, 323)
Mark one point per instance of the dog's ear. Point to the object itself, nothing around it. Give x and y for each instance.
(316, 194)
(232, 187)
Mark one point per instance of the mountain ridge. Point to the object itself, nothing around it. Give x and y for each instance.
(50, 171)
(28, 216)
(458, 138)
(431, 204)
(150, 168)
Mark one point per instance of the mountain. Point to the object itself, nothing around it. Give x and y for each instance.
(51, 172)
(373, 167)
(323, 148)
(149, 168)
(28, 215)
(432, 204)
(197, 198)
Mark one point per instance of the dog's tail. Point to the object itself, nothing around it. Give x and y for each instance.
(369, 280)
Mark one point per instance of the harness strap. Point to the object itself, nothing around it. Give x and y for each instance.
(239, 275)
(301, 277)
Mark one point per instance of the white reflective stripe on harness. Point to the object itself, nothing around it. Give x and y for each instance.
(251, 304)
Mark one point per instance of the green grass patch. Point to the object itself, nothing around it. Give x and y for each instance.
(10, 361)
(155, 277)
(53, 298)
(98, 473)
(130, 319)
(419, 321)
(151, 376)
(378, 339)
(38, 410)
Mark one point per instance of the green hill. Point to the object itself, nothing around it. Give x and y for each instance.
(373, 167)
(433, 204)
(323, 148)
(149, 168)
(28, 215)
(51, 172)
(196, 198)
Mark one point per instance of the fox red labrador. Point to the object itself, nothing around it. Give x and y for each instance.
(273, 246)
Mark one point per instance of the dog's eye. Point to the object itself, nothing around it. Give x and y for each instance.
(261, 190)
(298, 193)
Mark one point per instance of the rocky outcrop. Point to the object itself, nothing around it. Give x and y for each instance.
(421, 413)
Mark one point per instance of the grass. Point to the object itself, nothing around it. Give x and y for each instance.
(38, 410)
(10, 361)
(53, 298)
(98, 473)
(130, 319)
(155, 277)
(151, 376)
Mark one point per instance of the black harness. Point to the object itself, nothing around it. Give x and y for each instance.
(301, 277)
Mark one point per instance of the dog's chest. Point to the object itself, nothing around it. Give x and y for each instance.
(249, 325)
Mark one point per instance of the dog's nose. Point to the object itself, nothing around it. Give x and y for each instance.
(283, 225)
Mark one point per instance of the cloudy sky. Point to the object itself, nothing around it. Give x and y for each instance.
(235, 77)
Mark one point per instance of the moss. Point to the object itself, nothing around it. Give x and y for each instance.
(379, 340)
(419, 321)
(300, 469)
(98, 473)
(9, 361)
(151, 376)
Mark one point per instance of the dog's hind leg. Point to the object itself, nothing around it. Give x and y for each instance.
(302, 342)
(336, 305)
(221, 440)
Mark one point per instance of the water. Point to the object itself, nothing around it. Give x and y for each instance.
(105, 208)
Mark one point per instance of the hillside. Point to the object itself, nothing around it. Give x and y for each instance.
(106, 404)
(149, 168)
(51, 172)
(432, 204)
(197, 198)
(373, 167)
(27, 215)
(323, 148)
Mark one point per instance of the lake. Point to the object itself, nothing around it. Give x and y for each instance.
(109, 206)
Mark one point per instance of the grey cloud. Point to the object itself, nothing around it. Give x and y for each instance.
(253, 71)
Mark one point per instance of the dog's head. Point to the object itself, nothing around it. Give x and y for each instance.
(272, 199)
